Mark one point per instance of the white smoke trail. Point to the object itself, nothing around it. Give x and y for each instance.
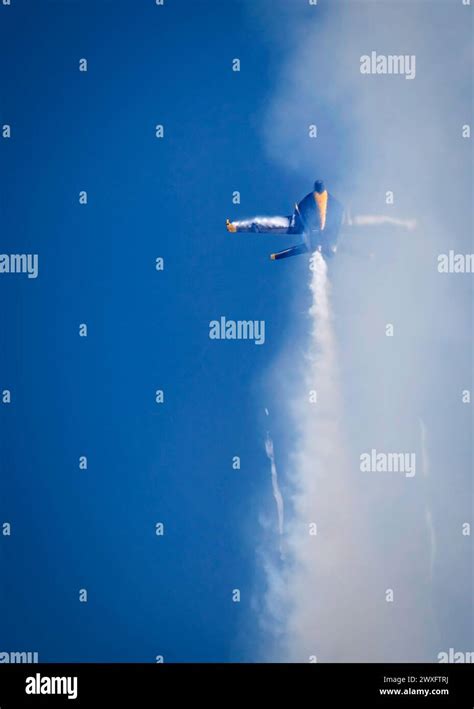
(299, 597)
(275, 486)
(328, 599)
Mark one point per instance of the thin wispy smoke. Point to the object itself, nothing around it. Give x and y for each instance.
(275, 486)
(425, 467)
(381, 220)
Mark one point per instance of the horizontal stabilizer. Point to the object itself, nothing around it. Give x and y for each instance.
(292, 251)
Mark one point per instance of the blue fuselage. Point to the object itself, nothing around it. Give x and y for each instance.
(316, 232)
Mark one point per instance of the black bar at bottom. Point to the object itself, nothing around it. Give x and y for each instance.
(147, 685)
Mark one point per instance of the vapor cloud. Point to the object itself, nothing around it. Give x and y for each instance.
(358, 582)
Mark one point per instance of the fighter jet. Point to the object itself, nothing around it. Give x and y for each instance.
(317, 218)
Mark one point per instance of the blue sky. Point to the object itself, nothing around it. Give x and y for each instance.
(148, 330)
(94, 529)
